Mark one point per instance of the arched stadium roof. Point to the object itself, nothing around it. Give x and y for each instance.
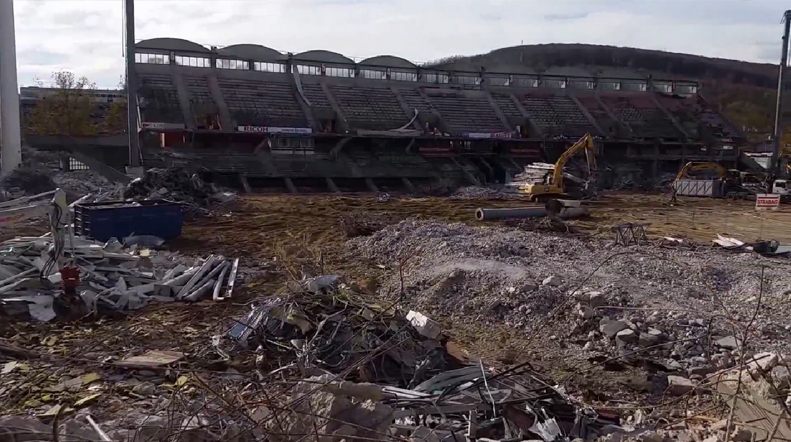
(252, 52)
(171, 44)
(323, 56)
(388, 61)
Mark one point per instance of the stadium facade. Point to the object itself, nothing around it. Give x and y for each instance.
(319, 118)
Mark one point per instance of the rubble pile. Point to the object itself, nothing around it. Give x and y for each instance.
(375, 372)
(482, 193)
(84, 182)
(113, 277)
(365, 223)
(687, 299)
(176, 185)
(42, 171)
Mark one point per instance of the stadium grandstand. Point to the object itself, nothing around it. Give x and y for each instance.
(320, 119)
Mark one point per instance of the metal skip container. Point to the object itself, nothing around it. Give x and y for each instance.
(707, 188)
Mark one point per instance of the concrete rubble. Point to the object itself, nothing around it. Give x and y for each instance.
(377, 372)
(180, 185)
(675, 331)
(43, 171)
(112, 277)
(483, 193)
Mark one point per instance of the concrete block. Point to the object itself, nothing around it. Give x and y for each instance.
(424, 325)
(678, 385)
(626, 335)
(729, 342)
(610, 327)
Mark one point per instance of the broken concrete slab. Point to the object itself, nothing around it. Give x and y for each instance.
(728, 342)
(151, 359)
(424, 325)
(762, 363)
(627, 335)
(552, 281)
(611, 327)
(678, 385)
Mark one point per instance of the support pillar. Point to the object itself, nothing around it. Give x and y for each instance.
(290, 185)
(369, 182)
(777, 133)
(245, 184)
(10, 131)
(131, 85)
(332, 186)
(408, 184)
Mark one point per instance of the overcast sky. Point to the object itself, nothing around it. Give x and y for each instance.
(85, 36)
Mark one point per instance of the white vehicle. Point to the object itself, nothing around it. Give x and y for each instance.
(781, 187)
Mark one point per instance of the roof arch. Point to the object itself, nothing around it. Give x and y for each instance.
(323, 57)
(171, 44)
(456, 65)
(251, 51)
(388, 61)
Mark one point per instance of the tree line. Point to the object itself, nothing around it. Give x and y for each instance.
(72, 109)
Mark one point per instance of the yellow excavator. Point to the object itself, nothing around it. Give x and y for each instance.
(709, 170)
(696, 167)
(554, 184)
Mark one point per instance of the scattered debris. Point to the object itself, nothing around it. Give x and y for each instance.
(483, 193)
(177, 185)
(628, 234)
(111, 278)
(151, 359)
(388, 374)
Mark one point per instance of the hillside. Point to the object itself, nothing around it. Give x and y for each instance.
(744, 91)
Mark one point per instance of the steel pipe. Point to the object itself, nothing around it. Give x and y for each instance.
(483, 214)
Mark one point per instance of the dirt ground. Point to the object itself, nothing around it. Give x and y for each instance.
(284, 237)
(302, 235)
(698, 219)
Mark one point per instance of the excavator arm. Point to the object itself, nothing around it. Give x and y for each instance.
(583, 144)
(692, 167)
(555, 186)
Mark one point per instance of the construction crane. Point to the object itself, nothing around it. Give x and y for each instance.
(554, 185)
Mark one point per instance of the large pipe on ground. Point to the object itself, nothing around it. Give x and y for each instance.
(483, 214)
(10, 131)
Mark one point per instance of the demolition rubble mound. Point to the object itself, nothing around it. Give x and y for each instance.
(42, 171)
(178, 185)
(482, 193)
(592, 290)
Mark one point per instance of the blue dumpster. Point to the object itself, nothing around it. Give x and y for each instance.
(119, 219)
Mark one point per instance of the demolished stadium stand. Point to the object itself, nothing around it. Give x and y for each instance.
(321, 120)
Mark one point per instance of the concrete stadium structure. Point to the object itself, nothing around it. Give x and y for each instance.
(320, 119)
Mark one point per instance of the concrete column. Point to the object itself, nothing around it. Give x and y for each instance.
(10, 131)
(369, 182)
(290, 185)
(332, 186)
(131, 85)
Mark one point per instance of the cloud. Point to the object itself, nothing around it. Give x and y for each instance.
(570, 16)
(85, 36)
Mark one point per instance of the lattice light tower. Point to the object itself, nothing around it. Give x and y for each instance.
(10, 131)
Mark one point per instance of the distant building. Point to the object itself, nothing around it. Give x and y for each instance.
(31, 94)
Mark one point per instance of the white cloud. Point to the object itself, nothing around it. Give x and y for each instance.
(85, 36)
